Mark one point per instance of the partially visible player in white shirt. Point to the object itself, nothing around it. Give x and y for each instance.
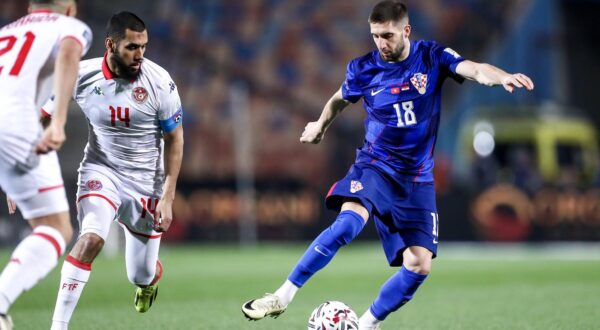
(134, 115)
(39, 55)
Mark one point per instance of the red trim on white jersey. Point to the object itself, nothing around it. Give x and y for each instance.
(45, 114)
(74, 38)
(108, 75)
(51, 240)
(41, 11)
(79, 264)
(140, 234)
(97, 195)
(41, 190)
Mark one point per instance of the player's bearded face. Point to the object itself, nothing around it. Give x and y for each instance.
(123, 69)
(128, 54)
(390, 40)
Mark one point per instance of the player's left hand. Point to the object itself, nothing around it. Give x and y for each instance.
(52, 139)
(517, 80)
(163, 216)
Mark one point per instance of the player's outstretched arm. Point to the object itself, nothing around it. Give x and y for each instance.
(65, 75)
(490, 75)
(314, 131)
(173, 157)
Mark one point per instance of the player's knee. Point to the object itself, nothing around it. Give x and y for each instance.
(59, 221)
(418, 260)
(346, 227)
(67, 233)
(141, 275)
(356, 207)
(419, 265)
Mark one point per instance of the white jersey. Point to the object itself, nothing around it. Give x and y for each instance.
(28, 49)
(126, 119)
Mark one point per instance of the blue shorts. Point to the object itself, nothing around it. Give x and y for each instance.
(404, 212)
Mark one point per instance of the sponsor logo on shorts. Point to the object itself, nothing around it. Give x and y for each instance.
(94, 185)
(140, 94)
(355, 186)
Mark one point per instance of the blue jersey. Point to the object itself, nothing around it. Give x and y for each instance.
(402, 101)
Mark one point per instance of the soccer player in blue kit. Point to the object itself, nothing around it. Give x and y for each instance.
(391, 180)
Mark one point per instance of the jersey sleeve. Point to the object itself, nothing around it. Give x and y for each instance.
(170, 111)
(447, 59)
(351, 90)
(48, 108)
(76, 29)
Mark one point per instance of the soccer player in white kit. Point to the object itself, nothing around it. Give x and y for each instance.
(134, 114)
(39, 55)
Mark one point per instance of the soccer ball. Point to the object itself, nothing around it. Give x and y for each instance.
(333, 315)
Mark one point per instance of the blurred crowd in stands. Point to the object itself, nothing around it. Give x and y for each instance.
(290, 56)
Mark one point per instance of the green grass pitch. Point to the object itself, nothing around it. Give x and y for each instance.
(205, 286)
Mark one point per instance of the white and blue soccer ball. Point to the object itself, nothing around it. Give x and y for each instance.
(333, 315)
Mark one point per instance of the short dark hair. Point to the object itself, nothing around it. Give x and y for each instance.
(388, 11)
(118, 23)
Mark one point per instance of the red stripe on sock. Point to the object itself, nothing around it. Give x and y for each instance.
(159, 272)
(79, 264)
(52, 241)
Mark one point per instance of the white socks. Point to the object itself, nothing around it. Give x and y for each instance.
(286, 292)
(367, 320)
(31, 261)
(74, 276)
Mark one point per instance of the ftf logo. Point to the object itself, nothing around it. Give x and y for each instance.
(355, 186)
(419, 80)
(140, 94)
(69, 286)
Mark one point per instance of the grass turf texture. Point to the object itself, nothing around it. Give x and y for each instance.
(204, 287)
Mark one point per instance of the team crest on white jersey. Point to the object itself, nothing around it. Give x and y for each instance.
(419, 80)
(140, 94)
(355, 186)
(94, 185)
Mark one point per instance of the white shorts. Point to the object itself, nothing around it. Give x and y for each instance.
(36, 184)
(130, 203)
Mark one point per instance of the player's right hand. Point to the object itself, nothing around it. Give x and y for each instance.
(313, 133)
(12, 206)
(52, 138)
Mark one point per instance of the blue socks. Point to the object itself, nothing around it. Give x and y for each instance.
(396, 292)
(345, 228)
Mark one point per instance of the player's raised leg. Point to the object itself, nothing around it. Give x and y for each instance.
(400, 288)
(33, 259)
(346, 227)
(143, 267)
(95, 212)
(41, 198)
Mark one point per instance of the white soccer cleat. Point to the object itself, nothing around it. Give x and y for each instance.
(6, 322)
(269, 305)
